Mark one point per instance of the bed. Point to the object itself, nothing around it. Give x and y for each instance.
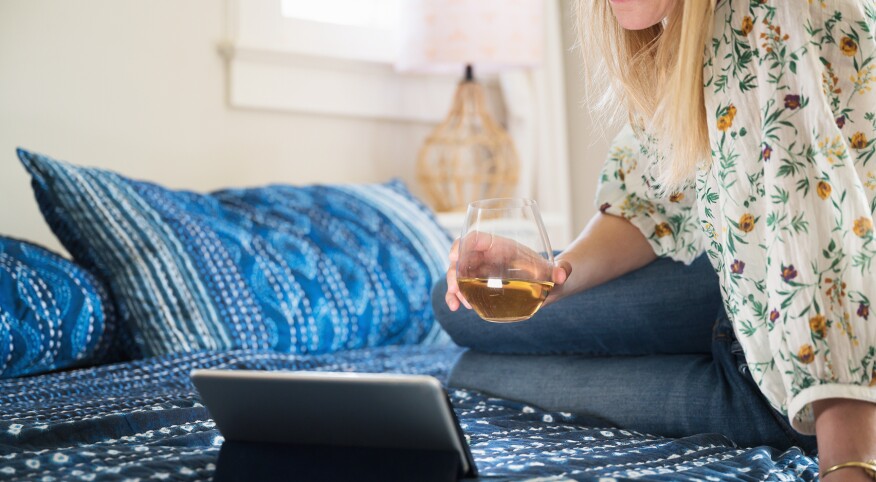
(143, 420)
(329, 278)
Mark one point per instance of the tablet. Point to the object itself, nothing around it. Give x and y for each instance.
(374, 410)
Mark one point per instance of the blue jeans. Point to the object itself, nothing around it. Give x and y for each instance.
(652, 351)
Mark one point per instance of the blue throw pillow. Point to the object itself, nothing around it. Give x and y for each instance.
(53, 313)
(293, 269)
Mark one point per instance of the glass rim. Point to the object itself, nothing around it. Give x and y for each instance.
(502, 203)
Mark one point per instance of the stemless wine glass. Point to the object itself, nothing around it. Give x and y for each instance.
(505, 259)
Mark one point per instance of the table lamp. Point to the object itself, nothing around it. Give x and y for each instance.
(469, 156)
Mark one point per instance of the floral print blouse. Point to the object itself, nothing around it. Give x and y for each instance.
(785, 208)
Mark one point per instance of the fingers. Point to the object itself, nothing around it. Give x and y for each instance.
(480, 245)
(482, 255)
(450, 297)
(453, 297)
(452, 287)
(559, 276)
(525, 265)
(482, 241)
(561, 272)
(452, 301)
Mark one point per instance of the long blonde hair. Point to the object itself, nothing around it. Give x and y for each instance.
(655, 75)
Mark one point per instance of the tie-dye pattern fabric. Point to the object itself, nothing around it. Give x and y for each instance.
(53, 313)
(293, 269)
(143, 420)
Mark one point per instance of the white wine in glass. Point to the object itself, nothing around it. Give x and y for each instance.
(505, 259)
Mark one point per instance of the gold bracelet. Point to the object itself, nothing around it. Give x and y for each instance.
(868, 466)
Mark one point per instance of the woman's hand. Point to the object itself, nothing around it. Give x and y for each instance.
(607, 248)
(485, 250)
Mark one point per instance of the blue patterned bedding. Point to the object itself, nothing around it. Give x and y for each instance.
(143, 420)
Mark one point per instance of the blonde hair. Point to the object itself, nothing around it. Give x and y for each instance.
(655, 75)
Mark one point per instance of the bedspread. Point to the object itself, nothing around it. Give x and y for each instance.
(143, 420)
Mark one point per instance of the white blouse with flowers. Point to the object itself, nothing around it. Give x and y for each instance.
(785, 208)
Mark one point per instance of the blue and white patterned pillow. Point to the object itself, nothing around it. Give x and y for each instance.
(53, 313)
(293, 269)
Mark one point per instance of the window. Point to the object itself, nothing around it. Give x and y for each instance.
(378, 14)
(331, 57)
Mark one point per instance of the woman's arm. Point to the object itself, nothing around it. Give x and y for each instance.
(609, 247)
(634, 226)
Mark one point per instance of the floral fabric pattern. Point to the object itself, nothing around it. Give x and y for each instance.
(785, 209)
(626, 189)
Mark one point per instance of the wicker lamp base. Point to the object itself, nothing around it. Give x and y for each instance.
(469, 156)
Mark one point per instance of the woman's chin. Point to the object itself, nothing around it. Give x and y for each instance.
(636, 24)
(639, 14)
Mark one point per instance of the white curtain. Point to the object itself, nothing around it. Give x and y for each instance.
(535, 106)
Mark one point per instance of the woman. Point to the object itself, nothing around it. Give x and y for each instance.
(760, 154)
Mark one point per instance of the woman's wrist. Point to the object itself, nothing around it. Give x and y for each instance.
(608, 247)
(868, 467)
(838, 424)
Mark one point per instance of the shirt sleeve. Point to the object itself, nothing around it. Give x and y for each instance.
(817, 120)
(668, 223)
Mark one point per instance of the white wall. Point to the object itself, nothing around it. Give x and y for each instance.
(138, 86)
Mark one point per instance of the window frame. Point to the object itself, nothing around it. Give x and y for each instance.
(291, 64)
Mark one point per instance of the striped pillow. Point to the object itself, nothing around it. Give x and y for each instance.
(53, 314)
(292, 269)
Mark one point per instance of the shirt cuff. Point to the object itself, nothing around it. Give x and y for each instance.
(658, 233)
(800, 412)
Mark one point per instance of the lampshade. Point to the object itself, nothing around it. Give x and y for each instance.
(441, 36)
